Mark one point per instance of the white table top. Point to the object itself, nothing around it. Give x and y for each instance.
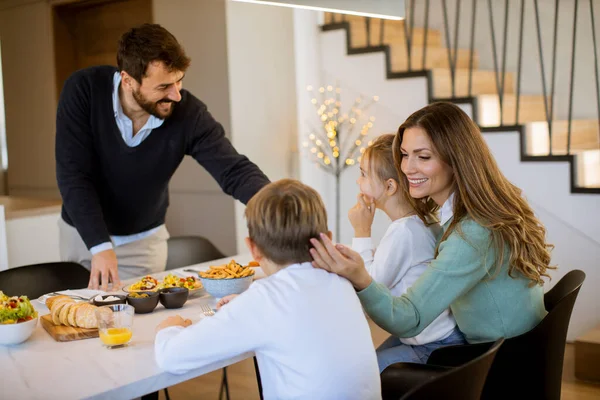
(42, 368)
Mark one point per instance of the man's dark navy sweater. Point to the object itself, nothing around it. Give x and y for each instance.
(109, 188)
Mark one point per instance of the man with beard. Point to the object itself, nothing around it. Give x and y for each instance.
(120, 136)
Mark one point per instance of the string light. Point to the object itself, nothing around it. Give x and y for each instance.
(324, 143)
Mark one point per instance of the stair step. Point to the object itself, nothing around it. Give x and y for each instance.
(587, 356)
(588, 172)
(484, 82)
(584, 136)
(437, 57)
(531, 109)
(393, 32)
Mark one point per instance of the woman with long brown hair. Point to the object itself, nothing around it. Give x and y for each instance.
(492, 255)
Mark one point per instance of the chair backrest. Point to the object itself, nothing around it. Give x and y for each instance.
(568, 284)
(533, 361)
(188, 250)
(38, 279)
(464, 382)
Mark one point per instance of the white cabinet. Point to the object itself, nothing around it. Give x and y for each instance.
(28, 231)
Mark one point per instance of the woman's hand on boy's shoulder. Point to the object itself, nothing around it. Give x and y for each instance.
(226, 300)
(173, 321)
(361, 216)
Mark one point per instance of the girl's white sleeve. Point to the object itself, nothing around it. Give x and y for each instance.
(393, 257)
(364, 247)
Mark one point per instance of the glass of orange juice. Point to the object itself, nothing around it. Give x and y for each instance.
(114, 324)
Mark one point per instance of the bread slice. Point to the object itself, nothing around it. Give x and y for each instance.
(57, 307)
(64, 312)
(85, 317)
(71, 316)
(50, 301)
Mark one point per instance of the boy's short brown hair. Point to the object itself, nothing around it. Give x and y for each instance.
(282, 218)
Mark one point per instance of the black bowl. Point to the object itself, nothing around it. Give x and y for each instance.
(122, 300)
(174, 297)
(143, 305)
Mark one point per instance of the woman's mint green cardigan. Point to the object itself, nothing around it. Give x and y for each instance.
(485, 309)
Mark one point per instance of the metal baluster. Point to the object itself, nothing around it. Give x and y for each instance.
(504, 45)
(572, 79)
(595, 63)
(456, 23)
(553, 83)
(539, 36)
(519, 61)
(449, 47)
(408, 40)
(495, 55)
(472, 51)
(426, 34)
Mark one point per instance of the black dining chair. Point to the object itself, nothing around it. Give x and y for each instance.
(36, 280)
(189, 250)
(531, 362)
(527, 366)
(463, 382)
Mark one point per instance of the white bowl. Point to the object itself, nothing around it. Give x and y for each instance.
(223, 287)
(17, 333)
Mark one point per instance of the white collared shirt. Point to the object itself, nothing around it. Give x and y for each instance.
(307, 328)
(124, 122)
(447, 210)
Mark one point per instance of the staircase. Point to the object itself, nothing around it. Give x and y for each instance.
(455, 76)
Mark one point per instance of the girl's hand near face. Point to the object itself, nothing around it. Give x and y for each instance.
(361, 216)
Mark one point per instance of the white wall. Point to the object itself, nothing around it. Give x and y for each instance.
(572, 220)
(197, 203)
(260, 50)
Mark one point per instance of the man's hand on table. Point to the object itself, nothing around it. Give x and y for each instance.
(105, 269)
(173, 321)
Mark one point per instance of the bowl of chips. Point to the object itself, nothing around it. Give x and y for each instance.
(223, 280)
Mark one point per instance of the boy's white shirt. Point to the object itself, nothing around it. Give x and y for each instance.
(306, 326)
(401, 257)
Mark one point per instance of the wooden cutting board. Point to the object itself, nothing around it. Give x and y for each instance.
(62, 333)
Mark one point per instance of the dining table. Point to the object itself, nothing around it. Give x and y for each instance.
(42, 368)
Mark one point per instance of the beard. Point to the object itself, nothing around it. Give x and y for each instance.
(152, 107)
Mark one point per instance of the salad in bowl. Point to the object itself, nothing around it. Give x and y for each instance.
(18, 319)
